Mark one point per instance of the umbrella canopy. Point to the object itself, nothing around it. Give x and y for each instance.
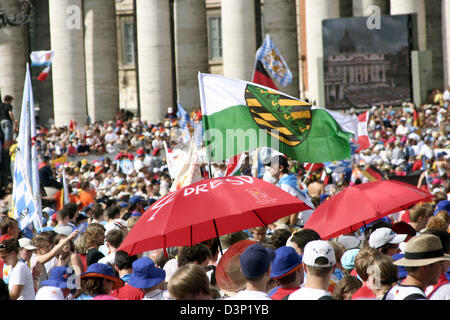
(361, 204)
(229, 276)
(207, 209)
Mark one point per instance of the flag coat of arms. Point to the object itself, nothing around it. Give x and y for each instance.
(274, 63)
(240, 116)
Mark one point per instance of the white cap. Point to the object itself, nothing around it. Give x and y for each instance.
(49, 293)
(317, 249)
(382, 236)
(26, 243)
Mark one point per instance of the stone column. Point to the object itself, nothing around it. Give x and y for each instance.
(280, 23)
(68, 68)
(360, 7)
(154, 58)
(446, 40)
(13, 57)
(238, 38)
(409, 7)
(100, 44)
(316, 11)
(191, 49)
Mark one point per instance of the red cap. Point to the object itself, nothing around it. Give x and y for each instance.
(140, 151)
(5, 237)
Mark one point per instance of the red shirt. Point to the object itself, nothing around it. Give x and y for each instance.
(364, 293)
(128, 292)
(282, 292)
(83, 261)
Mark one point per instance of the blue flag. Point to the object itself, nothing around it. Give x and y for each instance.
(24, 205)
(183, 117)
(274, 63)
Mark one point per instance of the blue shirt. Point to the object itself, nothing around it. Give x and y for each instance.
(84, 297)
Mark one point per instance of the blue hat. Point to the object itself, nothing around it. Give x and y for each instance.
(135, 199)
(402, 273)
(286, 261)
(81, 213)
(442, 205)
(256, 260)
(59, 277)
(145, 274)
(122, 204)
(101, 270)
(348, 259)
(135, 214)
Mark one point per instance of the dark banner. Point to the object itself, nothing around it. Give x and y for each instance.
(412, 179)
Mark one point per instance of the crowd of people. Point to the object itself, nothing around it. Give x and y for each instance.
(76, 256)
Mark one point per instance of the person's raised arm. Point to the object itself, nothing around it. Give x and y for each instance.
(52, 253)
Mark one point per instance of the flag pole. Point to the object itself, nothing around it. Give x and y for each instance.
(307, 174)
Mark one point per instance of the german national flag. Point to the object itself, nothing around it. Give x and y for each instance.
(260, 76)
(373, 173)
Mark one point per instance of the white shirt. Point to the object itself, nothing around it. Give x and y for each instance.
(21, 275)
(400, 292)
(308, 294)
(170, 268)
(48, 265)
(109, 259)
(250, 295)
(157, 294)
(446, 95)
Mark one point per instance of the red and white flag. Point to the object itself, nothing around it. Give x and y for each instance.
(235, 164)
(43, 75)
(363, 137)
(40, 59)
(313, 166)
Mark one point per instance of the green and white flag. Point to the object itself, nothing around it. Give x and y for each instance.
(240, 116)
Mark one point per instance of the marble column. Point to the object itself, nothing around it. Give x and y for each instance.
(68, 67)
(100, 45)
(13, 57)
(446, 40)
(280, 23)
(316, 11)
(238, 38)
(154, 58)
(360, 7)
(410, 7)
(191, 49)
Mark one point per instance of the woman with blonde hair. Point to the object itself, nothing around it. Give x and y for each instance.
(94, 238)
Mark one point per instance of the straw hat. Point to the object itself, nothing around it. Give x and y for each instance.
(423, 250)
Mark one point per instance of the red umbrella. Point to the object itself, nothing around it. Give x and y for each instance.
(361, 204)
(207, 209)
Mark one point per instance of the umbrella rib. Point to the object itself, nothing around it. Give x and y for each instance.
(217, 233)
(259, 218)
